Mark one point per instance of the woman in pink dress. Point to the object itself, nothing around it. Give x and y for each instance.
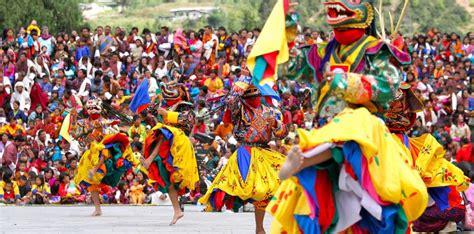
(195, 46)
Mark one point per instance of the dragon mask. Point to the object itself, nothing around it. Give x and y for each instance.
(349, 14)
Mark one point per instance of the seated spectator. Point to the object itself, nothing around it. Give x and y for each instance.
(9, 192)
(22, 170)
(223, 130)
(41, 191)
(17, 113)
(137, 196)
(214, 83)
(122, 193)
(67, 190)
(137, 129)
(25, 190)
(466, 153)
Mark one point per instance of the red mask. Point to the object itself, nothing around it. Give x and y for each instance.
(349, 36)
(253, 102)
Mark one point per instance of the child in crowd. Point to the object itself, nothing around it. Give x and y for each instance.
(22, 170)
(137, 196)
(122, 193)
(25, 189)
(129, 178)
(67, 190)
(40, 190)
(9, 192)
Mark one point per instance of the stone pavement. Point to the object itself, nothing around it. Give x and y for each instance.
(121, 219)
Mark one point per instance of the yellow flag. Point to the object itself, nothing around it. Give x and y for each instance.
(64, 132)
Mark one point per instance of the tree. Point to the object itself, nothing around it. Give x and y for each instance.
(58, 15)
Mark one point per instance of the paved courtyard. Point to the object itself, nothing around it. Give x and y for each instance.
(121, 219)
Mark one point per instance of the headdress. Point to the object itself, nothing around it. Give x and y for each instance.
(402, 113)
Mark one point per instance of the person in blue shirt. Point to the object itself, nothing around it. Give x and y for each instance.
(16, 113)
(46, 85)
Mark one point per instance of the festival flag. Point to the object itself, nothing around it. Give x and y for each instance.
(65, 127)
(270, 50)
(141, 100)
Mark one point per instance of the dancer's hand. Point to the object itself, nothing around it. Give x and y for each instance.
(148, 162)
(162, 111)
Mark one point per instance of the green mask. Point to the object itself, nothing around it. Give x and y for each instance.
(347, 14)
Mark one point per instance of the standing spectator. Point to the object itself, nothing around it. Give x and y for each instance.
(165, 40)
(47, 40)
(21, 96)
(210, 41)
(10, 153)
(195, 46)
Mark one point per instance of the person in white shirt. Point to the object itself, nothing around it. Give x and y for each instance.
(425, 88)
(165, 42)
(152, 84)
(161, 69)
(7, 84)
(209, 45)
(21, 96)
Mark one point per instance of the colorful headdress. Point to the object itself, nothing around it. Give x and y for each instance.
(251, 92)
(343, 14)
(402, 113)
(94, 107)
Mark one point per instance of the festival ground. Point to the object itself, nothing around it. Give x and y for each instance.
(121, 219)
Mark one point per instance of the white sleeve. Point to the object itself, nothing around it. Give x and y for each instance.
(166, 46)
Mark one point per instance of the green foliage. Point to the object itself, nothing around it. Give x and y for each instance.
(446, 15)
(58, 15)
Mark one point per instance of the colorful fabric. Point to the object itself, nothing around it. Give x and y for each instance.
(65, 128)
(118, 156)
(141, 99)
(265, 57)
(176, 164)
(434, 169)
(250, 175)
(393, 178)
(305, 203)
(373, 158)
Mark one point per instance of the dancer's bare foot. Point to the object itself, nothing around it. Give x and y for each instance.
(176, 217)
(292, 164)
(260, 231)
(97, 213)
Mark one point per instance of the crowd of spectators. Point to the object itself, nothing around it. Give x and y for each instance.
(43, 77)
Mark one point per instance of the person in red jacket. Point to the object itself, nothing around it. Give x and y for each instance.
(466, 153)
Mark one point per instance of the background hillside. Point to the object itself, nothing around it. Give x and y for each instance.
(65, 15)
(447, 15)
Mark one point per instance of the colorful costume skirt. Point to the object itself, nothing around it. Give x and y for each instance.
(250, 175)
(175, 164)
(434, 169)
(369, 185)
(118, 159)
